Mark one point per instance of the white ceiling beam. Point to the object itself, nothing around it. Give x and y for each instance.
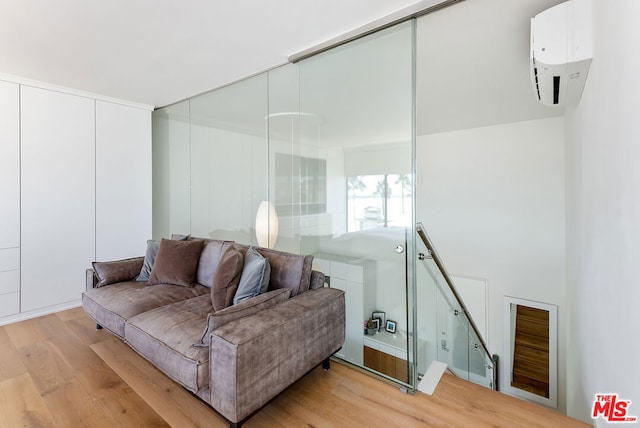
(415, 10)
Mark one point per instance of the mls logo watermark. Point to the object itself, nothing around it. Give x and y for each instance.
(612, 409)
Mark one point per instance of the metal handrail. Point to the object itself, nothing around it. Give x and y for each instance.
(438, 261)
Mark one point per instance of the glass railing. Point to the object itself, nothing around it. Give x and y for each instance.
(444, 322)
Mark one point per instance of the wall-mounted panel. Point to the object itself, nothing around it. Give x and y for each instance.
(123, 180)
(57, 196)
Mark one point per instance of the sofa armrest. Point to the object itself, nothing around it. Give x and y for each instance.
(90, 279)
(106, 273)
(254, 358)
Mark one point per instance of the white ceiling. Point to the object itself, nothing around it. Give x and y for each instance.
(473, 66)
(160, 51)
(472, 56)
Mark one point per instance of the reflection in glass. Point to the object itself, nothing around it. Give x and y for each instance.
(361, 94)
(380, 200)
(229, 160)
(171, 171)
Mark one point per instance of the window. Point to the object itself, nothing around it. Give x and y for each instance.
(378, 201)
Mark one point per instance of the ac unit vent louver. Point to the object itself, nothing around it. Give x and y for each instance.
(561, 52)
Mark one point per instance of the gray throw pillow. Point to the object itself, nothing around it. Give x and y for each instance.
(255, 276)
(149, 259)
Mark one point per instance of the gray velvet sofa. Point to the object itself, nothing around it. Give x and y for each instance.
(238, 357)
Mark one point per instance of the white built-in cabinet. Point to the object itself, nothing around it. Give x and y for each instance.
(356, 278)
(9, 199)
(75, 186)
(58, 195)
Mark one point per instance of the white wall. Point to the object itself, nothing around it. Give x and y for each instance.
(603, 216)
(492, 200)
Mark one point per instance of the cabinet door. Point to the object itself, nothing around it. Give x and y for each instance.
(9, 199)
(57, 197)
(9, 165)
(353, 319)
(123, 181)
(341, 284)
(372, 359)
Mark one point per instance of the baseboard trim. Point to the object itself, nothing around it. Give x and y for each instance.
(23, 316)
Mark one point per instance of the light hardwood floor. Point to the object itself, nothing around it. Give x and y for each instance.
(58, 371)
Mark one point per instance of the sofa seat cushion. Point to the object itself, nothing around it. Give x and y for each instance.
(165, 336)
(113, 304)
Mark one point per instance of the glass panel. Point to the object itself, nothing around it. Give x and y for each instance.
(444, 330)
(379, 200)
(480, 364)
(355, 165)
(287, 168)
(171, 171)
(229, 160)
(272, 161)
(284, 151)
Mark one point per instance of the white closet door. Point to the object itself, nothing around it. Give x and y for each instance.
(58, 196)
(123, 181)
(9, 165)
(9, 199)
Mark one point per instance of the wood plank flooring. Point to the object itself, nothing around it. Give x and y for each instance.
(58, 371)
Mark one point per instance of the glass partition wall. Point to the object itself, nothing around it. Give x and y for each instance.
(356, 127)
(313, 158)
(318, 157)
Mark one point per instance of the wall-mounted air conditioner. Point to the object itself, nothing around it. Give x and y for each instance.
(561, 52)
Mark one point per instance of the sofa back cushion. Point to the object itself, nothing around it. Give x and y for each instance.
(287, 270)
(176, 263)
(226, 278)
(210, 258)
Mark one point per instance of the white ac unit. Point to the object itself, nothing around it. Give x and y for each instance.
(561, 52)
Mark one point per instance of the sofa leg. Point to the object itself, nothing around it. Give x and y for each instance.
(326, 365)
(98, 327)
(234, 425)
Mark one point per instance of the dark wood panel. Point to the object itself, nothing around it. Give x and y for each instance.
(531, 351)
